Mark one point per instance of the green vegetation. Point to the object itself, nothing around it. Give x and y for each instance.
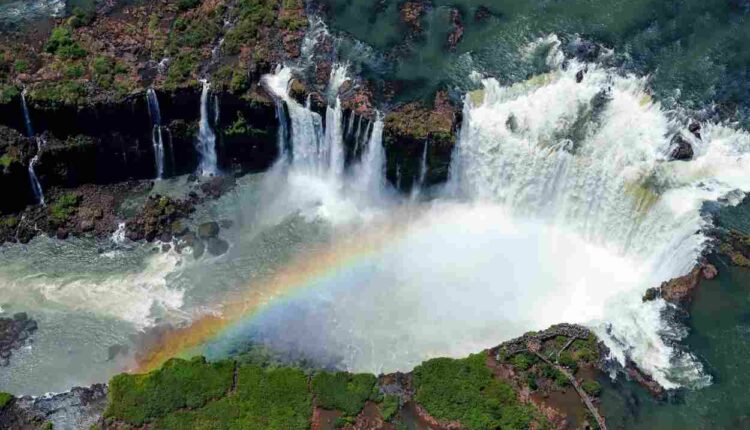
(343, 391)
(63, 208)
(6, 160)
(196, 394)
(5, 399)
(54, 93)
(179, 384)
(523, 360)
(21, 66)
(47, 426)
(275, 399)
(250, 16)
(8, 92)
(8, 222)
(82, 17)
(566, 359)
(389, 407)
(464, 390)
(61, 43)
(592, 388)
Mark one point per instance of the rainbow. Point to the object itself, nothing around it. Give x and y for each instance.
(303, 274)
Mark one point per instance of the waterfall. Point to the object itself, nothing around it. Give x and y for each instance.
(206, 138)
(313, 148)
(26, 115)
(371, 177)
(592, 159)
(36, 186)
(419, 185)
(156, 133)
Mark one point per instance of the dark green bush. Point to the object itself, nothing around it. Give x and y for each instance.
(464, 390)
(179, 384)
(592, 388)
(343, 391)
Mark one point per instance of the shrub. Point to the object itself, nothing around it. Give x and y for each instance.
(523, 361)
(21, 66)
(63, 208)
(464, 390)
(61, 43)
(5, 399)
(179, 384)
(343, 391)
(592, 388)
(390, 406)
(566, 359)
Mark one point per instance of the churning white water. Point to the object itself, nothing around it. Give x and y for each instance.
(563, 206)
(206, 143)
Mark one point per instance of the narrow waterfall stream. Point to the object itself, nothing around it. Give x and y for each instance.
(36, 186)
(206, 142)
(156, 135)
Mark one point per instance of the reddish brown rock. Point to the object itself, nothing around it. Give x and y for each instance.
(457, 30)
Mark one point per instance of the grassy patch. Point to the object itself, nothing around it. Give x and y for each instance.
(465, 391)
(343, 391)
(179, 384)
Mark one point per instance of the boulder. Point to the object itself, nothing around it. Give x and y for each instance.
(216, 246)
(208, 230)
(682, 149)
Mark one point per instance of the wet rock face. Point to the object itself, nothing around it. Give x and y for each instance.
(157, 217)
(15, 152)
(80, 408)
(457, 30)
(14, 333)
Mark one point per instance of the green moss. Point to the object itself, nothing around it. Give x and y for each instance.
(63, 207)
(74, 71)
(5, 399)
(238, 128)
(592, 388)
(343, 391)
(179, 384)
(390, 406)
(465, 391)
(47, 426)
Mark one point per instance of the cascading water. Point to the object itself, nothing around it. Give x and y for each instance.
(206, 144)
(563, 206)
(36, 186)
(26, 115)
(156, 133)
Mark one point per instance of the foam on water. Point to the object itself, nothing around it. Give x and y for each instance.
(137, 297)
